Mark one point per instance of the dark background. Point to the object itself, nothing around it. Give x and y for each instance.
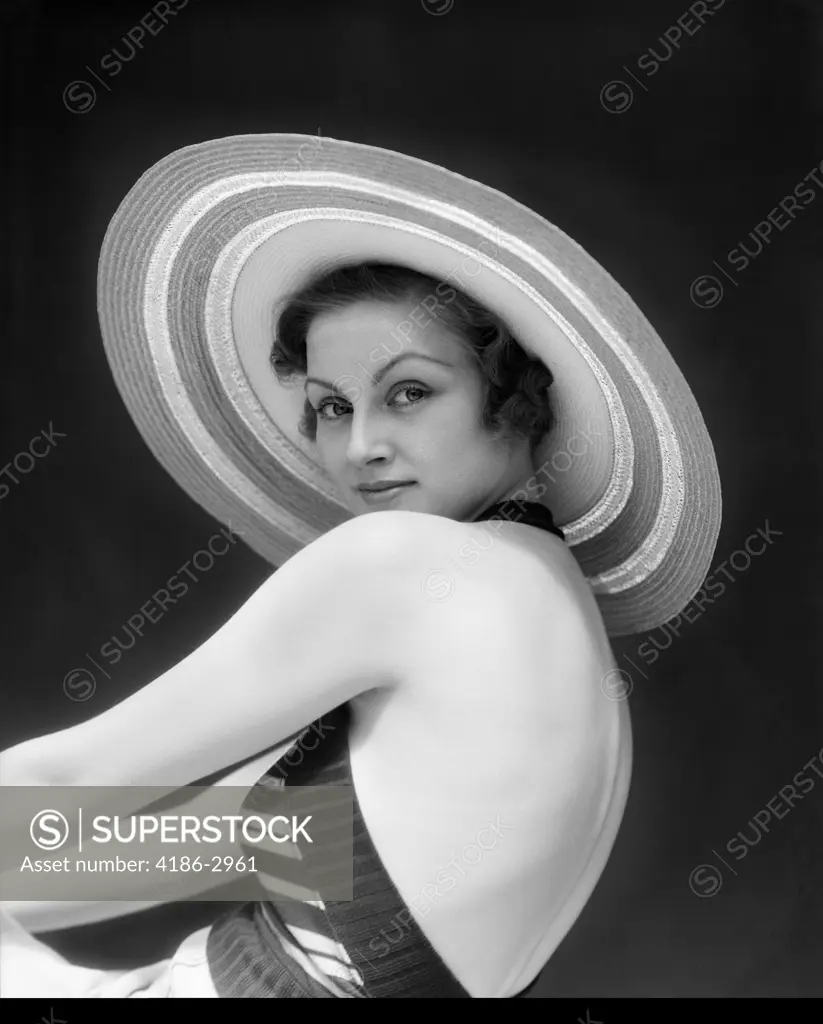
(508, 94)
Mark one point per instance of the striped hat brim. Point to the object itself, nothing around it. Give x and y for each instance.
(211, 239)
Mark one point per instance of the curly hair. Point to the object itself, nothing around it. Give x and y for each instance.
(515, 396)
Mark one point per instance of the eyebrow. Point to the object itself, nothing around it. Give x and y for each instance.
(381, 373)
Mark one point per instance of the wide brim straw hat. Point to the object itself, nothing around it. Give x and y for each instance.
(203, 250)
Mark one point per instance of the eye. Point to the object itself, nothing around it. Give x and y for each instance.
(423, 392)
(336, 403)
(328, 403)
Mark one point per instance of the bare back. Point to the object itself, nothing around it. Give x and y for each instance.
(494, 780)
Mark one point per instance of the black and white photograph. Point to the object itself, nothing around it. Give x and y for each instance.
(408, 470)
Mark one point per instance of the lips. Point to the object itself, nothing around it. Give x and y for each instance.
(388, 486)
(385, 495)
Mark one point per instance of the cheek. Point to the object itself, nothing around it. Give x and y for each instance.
(457, 415)
(441, 435)
(327, 452)
(456, 445)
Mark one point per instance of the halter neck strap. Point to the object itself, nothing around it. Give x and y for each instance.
(532, 513)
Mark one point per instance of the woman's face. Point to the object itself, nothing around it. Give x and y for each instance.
(401, 405)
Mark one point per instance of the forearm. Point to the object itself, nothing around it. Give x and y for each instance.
(136, 891)
(21, 765)
(31, 764)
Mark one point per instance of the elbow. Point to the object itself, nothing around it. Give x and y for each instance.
(26, 764)
(17, 768)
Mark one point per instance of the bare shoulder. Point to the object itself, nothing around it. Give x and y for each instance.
(490, 566)
(491, 600)
(394, 538)
(493, 547)
(394, 525)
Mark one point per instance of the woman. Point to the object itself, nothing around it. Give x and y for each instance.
(453, 643)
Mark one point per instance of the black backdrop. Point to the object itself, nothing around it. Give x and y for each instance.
(659, 175)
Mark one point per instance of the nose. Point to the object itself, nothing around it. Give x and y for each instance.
(368, 438)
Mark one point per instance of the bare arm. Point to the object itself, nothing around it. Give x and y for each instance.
(136, 887)
(331, 623)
